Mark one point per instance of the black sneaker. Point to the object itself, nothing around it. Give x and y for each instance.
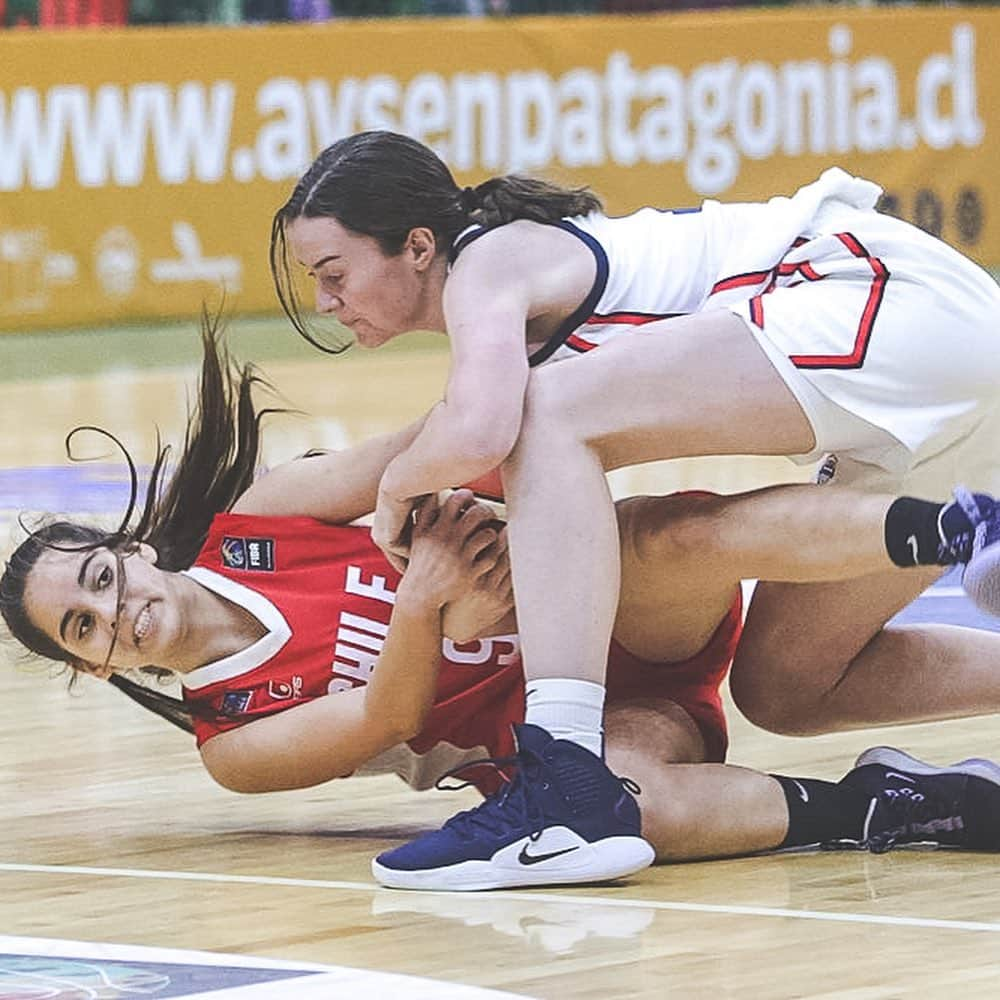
(913, 802)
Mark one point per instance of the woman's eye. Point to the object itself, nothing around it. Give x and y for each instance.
(105, 577)
(86, 623)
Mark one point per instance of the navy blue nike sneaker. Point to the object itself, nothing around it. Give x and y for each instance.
(563, 818)
(914, 802)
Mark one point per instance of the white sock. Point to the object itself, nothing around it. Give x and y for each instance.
(569, 710)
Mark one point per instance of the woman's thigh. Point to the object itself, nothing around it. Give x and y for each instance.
(676, 587)
(694, 385)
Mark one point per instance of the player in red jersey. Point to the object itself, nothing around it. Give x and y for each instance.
(305, 657)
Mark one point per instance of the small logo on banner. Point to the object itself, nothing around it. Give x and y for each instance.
(248, 553)
(236, 702)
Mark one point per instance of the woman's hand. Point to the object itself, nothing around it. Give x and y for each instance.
(487, 600)
(453, 547)
(391, 528)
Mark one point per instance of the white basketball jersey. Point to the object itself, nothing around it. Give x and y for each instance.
(655, 263)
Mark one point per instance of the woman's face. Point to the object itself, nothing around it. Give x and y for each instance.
(376, 296)
(73, 597)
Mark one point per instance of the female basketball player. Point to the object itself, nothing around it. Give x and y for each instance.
(303, 656)
(801, 326)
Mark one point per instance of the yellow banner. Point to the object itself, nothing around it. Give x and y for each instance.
(139, 169)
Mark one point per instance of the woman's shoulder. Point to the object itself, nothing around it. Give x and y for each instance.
(227, 528)
(521, 246)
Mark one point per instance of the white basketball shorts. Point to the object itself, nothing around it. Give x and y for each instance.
(890, 341)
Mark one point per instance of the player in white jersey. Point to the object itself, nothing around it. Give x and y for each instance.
(800, 326)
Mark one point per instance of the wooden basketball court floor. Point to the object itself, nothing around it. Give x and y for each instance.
(113, 836)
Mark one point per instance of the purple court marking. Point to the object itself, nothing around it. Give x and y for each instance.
(86, 488)
(946, 603)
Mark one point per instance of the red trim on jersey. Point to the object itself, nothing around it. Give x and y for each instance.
(803, 267)
(628, 318)
(741, 280)
(578, 343)
(757, 311)
(880, 275)
(756, 277)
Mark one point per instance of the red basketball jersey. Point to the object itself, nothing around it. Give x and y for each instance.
(325, 595)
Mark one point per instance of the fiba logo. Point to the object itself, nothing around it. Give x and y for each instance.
(247, 553)
(233, 553)
(116, 262)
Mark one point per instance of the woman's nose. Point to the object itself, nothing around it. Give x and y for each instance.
(106, 610)
(327, 304)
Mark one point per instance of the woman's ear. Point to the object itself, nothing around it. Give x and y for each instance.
(148, 553)
(422, 247)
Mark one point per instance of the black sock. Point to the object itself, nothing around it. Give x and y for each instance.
(821, 811)
(923, 533)
(911, 532)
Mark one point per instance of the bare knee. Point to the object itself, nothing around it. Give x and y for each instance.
(670, 530)
(651, 741)
(770, 696)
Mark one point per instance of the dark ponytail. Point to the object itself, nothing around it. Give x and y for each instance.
(504, 199)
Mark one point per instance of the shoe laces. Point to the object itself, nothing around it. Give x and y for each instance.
(514, 806)
(908, 816)
(962, 545)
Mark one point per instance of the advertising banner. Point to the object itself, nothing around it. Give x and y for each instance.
(140, 169)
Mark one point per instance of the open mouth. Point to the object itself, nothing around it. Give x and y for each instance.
(143, 624)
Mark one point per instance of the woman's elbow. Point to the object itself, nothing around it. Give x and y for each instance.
(488, 440)
(230, 771)
(233, 781)
(402, 726)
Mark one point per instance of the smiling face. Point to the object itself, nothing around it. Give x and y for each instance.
(375, 295)
(73, 597)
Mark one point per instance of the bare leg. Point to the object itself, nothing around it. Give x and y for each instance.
(817, 658)
(659, 394)
(683, 555)
(691, 809)
(815, 654)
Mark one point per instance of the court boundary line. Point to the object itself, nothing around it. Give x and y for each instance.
(653, 904)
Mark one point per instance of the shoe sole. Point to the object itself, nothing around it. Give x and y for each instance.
(981, 580)
(603, 861)
(899, 760)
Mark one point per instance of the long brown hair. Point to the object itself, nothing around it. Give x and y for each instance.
(383, 184)
(216, 466)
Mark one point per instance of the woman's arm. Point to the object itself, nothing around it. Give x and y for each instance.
(339, 486)
(514, 274)
(334, 735)
(486, 606)
(472, 430)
